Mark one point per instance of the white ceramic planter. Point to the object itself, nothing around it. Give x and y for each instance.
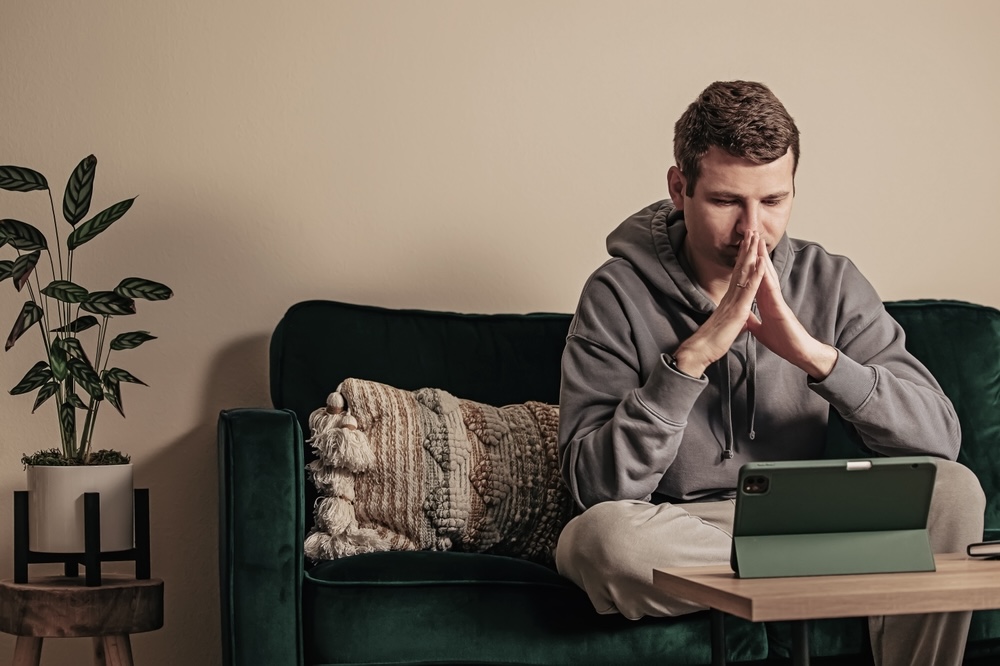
(55, 507)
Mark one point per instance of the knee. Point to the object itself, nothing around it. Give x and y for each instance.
(957, 508)
(596, 538)
(958, 487)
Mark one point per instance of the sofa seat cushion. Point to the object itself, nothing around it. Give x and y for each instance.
(847, 637)
(414, 607)
(839, 637)
(984, 636)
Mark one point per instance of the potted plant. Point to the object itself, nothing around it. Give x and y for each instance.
(76, 374)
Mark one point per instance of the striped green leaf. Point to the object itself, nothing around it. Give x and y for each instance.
(67, 425)
(131, 340)
(22, 268)
(38, 375)
(86, 376)
(77, 325)
(108, 303)
(58, 359)
(119, 375)
(95, 225)
(30, 315)
(79, 190)
(48, 390)
(75, 400)
(22, 235)
(134, 287)
(113, 392)
(65, 291)
(6, 269)
(21, 179)
(75, 349)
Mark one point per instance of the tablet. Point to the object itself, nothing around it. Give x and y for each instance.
(823, 517)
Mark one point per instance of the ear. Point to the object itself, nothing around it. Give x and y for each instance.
(677, 186)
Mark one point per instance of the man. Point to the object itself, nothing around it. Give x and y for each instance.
(711, 339)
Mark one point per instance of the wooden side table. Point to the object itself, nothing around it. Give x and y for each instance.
(959, 583)
(58, 606)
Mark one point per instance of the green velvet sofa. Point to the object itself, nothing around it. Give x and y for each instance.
(461, 608)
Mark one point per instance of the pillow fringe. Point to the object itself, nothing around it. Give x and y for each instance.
(335, 515)
(337, 439)
(331, 481)
(319, 546)
(343, 450)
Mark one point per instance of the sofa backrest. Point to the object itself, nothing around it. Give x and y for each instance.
(494, 359)
(508, 359)
(960, 344)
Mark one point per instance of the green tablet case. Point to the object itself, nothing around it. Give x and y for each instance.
(823, 517)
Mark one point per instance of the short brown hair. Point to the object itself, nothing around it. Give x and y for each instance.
(743, 118)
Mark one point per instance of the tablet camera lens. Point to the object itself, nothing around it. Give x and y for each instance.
(755, 485)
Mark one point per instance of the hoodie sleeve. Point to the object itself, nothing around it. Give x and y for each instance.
(618, 431)
(891, 399)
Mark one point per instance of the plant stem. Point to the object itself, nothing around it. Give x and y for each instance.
(69, 276)
(91, 420)
(55, 225)
(88, 428)
(62, 312)
(100, 341)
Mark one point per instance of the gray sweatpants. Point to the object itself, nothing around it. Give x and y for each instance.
(611, 549)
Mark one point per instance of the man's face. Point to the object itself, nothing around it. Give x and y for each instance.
(732, 197)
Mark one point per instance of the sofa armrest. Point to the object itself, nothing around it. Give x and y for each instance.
(261, 477)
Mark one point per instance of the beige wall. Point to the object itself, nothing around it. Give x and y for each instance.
(468, 156)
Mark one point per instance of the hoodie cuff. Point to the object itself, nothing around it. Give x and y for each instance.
(669, 393)
(848, 386)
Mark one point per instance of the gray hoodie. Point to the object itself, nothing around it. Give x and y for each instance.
(632, 427)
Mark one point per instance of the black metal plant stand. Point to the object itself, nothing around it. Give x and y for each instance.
(92, 556)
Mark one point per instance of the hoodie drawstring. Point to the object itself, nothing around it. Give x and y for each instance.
(727, 397)
(751, 385)
(727, 408)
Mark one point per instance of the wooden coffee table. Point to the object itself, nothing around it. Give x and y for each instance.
(959, 584)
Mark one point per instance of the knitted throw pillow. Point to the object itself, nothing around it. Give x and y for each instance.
(423, 470)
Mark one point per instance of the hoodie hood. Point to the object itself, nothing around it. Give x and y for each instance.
(652, 240)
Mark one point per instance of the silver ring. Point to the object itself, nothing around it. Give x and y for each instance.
(742, 286)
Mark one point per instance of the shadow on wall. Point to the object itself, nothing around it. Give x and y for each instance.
(183, 482)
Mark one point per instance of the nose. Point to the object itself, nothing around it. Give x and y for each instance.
(750, 219)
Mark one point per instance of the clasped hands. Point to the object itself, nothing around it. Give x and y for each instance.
(754, 278)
